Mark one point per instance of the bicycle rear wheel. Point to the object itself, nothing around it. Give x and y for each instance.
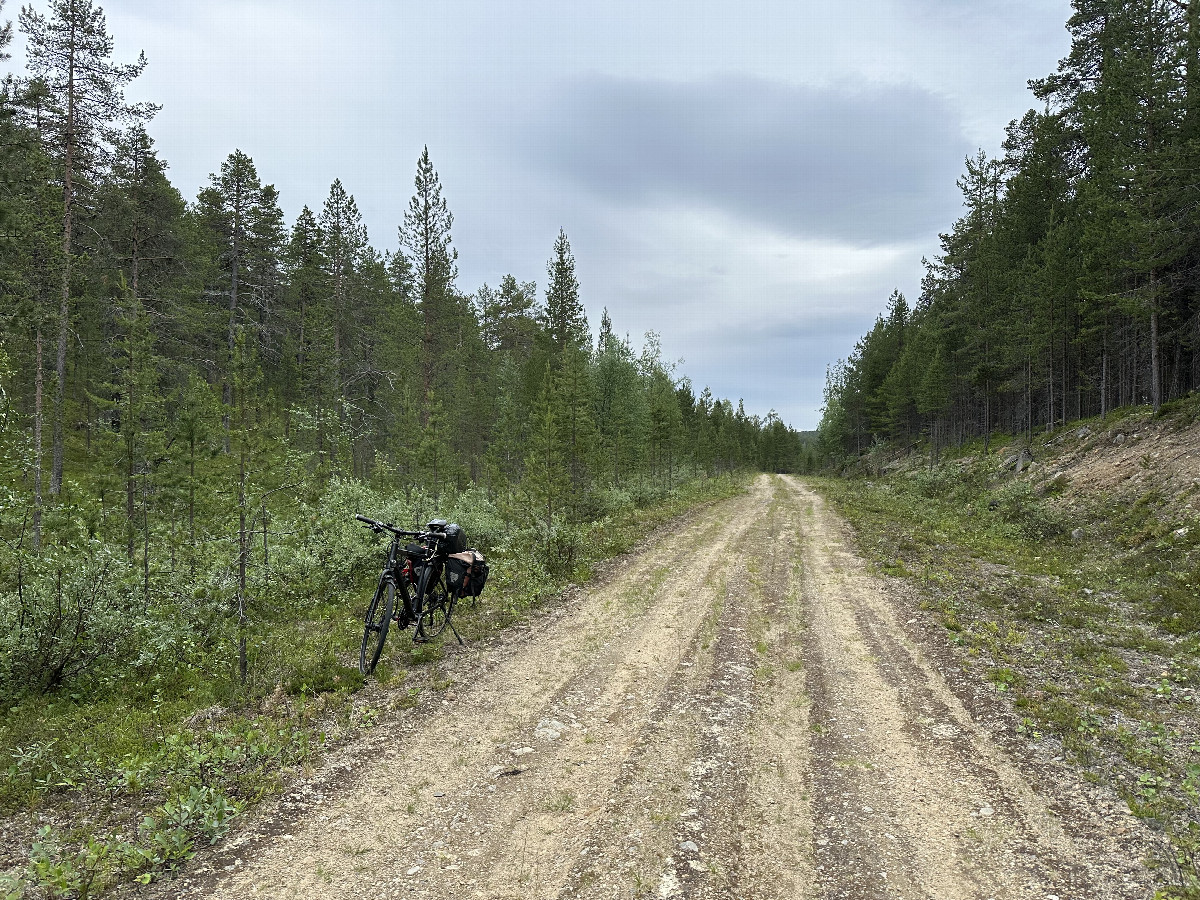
(379, 616)
(436, 608)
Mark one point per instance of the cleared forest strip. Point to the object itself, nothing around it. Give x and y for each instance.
(742, 711)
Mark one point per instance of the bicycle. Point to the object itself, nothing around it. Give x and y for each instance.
(417, 573)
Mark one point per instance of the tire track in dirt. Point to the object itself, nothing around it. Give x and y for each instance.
(690, 817)
(776, 821)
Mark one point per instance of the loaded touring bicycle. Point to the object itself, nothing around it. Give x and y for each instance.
(428, 575)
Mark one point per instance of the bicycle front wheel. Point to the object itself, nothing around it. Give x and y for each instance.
(379, 616)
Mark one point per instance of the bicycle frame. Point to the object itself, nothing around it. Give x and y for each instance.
(398, 575)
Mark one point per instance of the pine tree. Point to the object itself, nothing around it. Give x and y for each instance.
(934, 395)
(69, 53)
(6, 35)
(30, 216)
(307, 322)
(508, 315)
(246, 381)
(665, 422)
(573, 414)
(244, 219)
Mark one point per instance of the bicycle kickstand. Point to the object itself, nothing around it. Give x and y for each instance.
(456, 634)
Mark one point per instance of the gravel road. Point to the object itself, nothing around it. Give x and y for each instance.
(737, 712)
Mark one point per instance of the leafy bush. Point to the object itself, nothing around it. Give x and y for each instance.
(605, 502)
(64, 613)
(479, 516)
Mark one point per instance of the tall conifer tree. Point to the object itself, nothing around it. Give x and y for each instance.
(70, 53)
(566, 319)
(345, 240)
(425, 235)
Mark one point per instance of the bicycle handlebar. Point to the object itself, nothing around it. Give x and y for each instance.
(425, 536)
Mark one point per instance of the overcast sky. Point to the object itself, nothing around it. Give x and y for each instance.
(751, 180)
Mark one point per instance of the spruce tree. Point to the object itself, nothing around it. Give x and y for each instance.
(344, 240)
(546, 478)
(425, 235)
(566, 319)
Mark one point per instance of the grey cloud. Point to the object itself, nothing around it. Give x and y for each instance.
(867, 165)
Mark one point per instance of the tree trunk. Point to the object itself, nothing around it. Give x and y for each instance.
(192, 489)
(987, 419)
(129, 482)
(145, 545)
(300, 373)
(1104, 377)
(227, 391)
(242, 548)
(60, 366)
(1050, 377)
(1155, 361)
(37, 440)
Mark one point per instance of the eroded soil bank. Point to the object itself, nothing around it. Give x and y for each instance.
(741, 711)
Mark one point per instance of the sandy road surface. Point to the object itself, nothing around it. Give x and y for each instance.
(735, 713)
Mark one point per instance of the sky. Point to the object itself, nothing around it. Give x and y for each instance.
(750, 180)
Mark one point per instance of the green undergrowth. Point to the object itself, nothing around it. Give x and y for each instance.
(124, 769)
(1082, 608)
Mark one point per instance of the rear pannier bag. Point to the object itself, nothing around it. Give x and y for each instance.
(479, 575)
(466, 573)
(458, 570)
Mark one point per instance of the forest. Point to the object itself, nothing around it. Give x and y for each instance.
(193, 388)
(1069, 286)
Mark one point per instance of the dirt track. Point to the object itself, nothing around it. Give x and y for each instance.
(735, 713)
